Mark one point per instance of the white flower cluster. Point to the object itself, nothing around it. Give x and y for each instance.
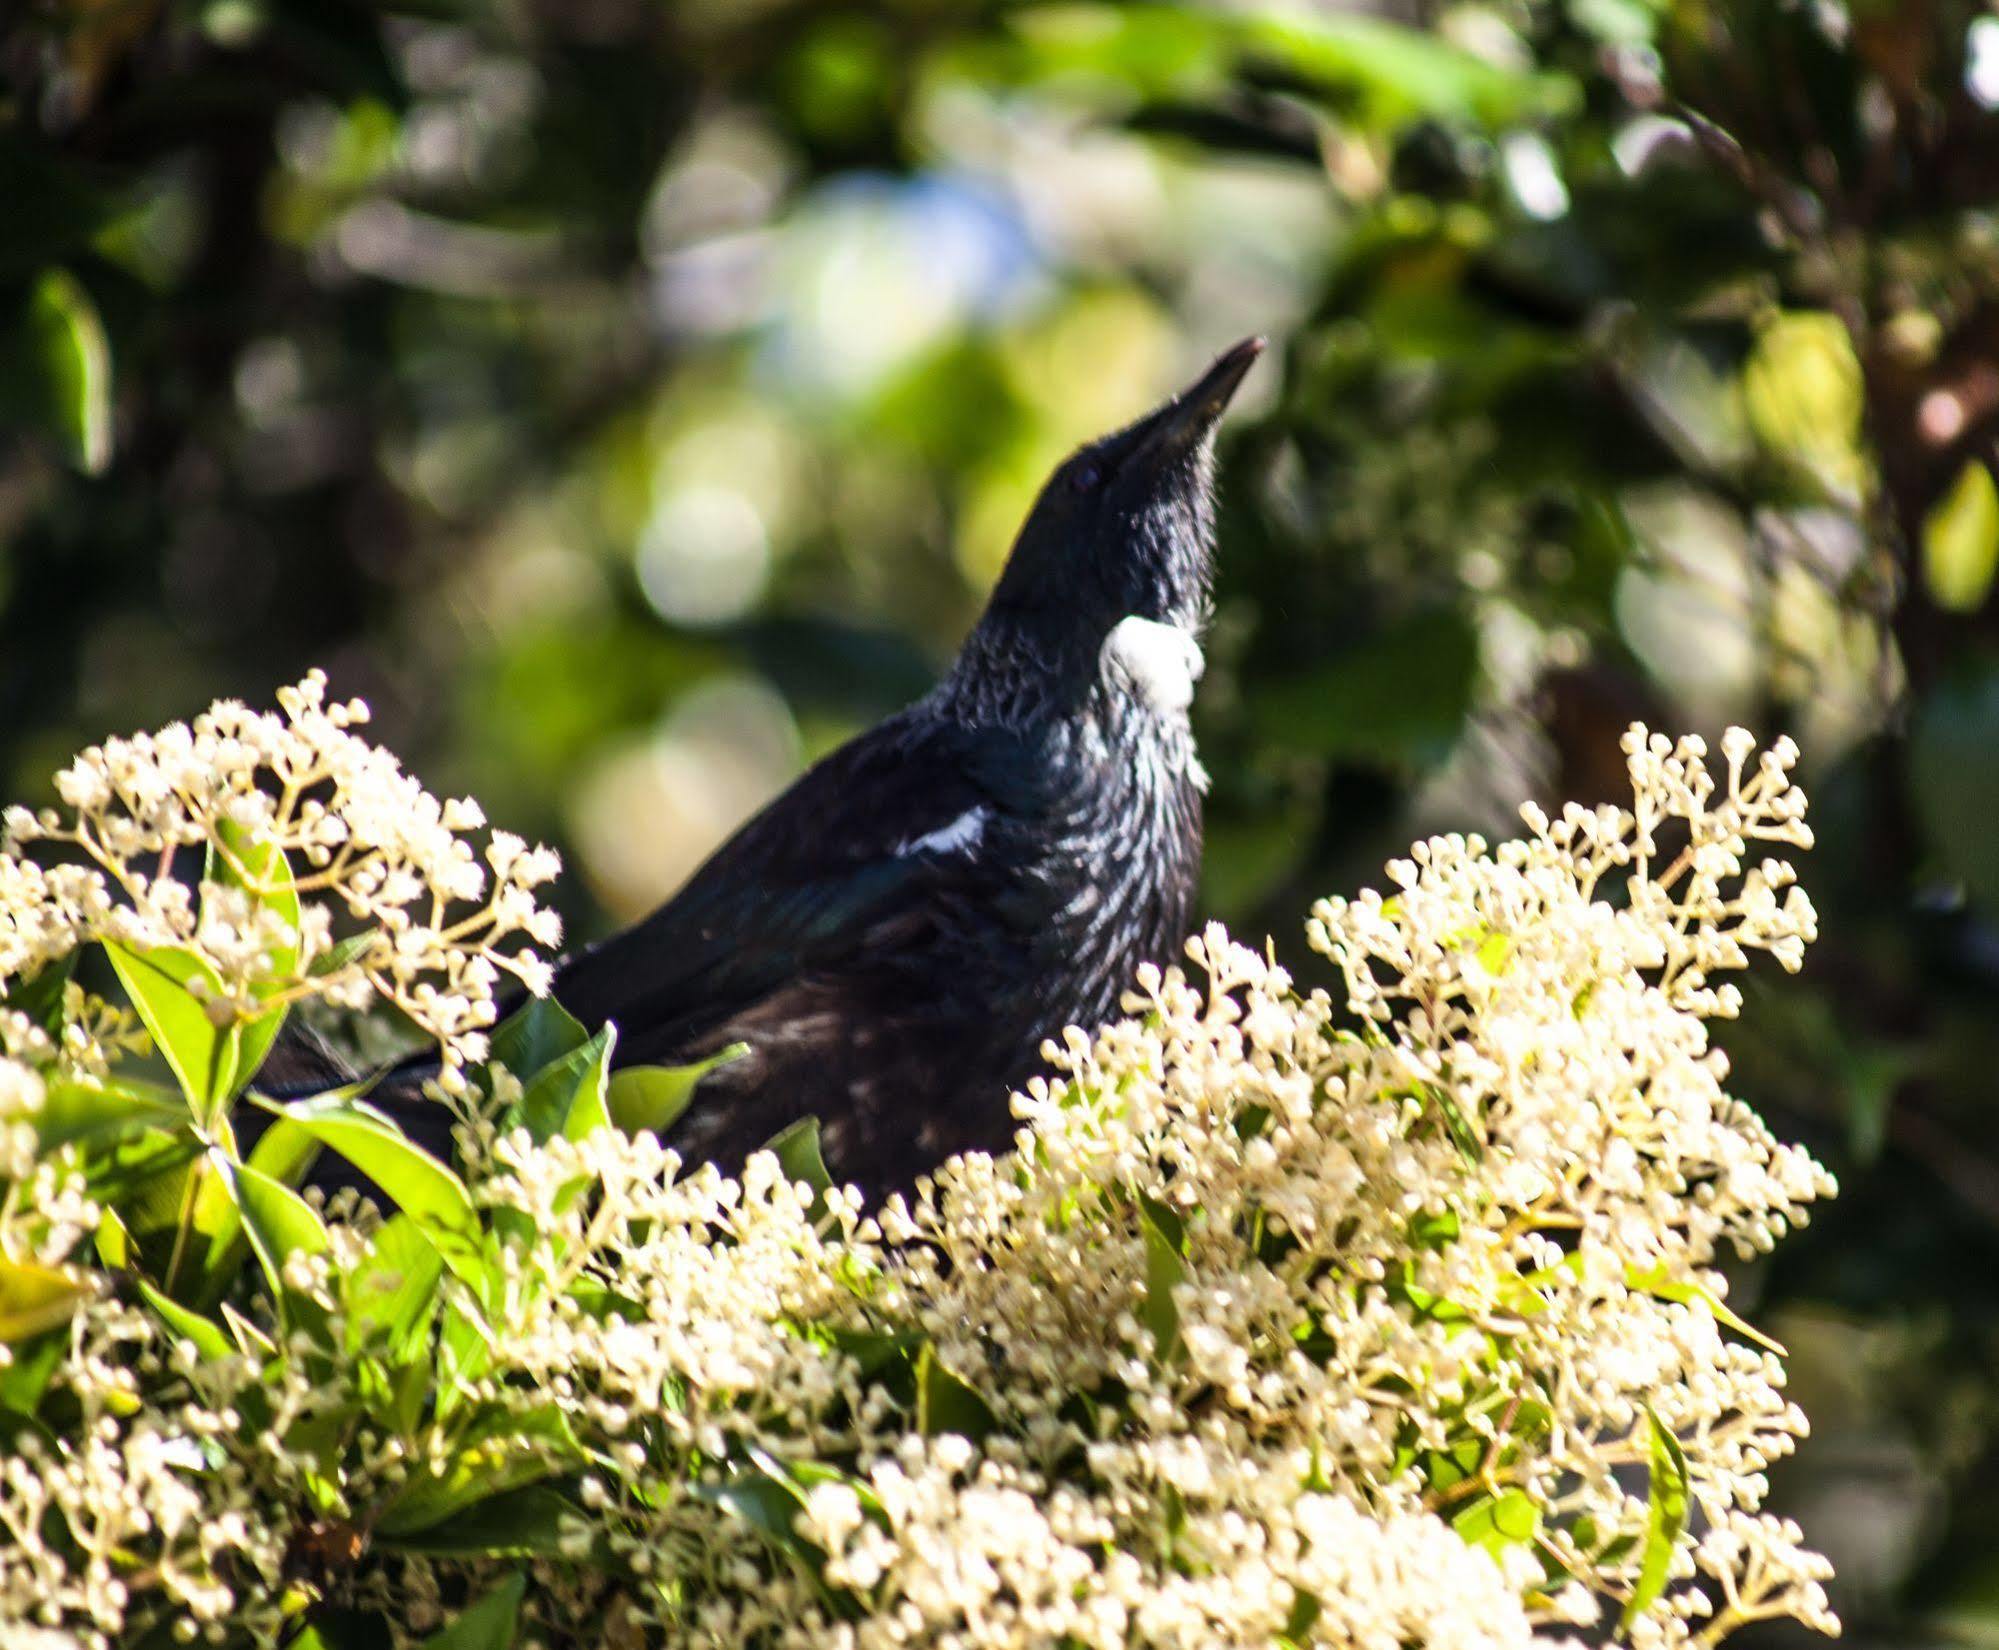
(128, 1478)
(1386, 1317)
(153, 830)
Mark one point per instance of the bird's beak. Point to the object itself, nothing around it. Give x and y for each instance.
(1186, 420)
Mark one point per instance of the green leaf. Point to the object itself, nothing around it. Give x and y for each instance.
(1399, 74)
(1961, 541)
(522, 1523)
(278, 1221)
(41, 995)
(566, 1097)
(55, 370)
(201, 1048)
(488, 1625)
(1665, 1523)
(946, 1403)
(653, 1097)
(494, 1467)
(1496, 1522)
(423, 1188)
(1165, 1270)
(238, 859)
(797, 1151)
(34, 1298)
(92, 1115)
(208, 1336)
(30, 1367)
(390, 1296)
(540, 1032)
(1658, 1282)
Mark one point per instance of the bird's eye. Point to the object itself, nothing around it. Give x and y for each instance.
(1084, 478)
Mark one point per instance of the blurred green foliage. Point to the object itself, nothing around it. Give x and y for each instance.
(633, 398)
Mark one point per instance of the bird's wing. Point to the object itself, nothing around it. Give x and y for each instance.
(874, 837)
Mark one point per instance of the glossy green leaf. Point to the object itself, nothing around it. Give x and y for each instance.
(238, 859)
(654, 1097)
(1666, 1518)
(1660, 1283)
(178, 996)
(566, 1097)
(539, 1032)
(208, 1336)
(797, 1150)
(496, 1466)
(422, 1187)
(34, 1298)
(278, 1222)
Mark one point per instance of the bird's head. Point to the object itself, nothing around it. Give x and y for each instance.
(1124, 528)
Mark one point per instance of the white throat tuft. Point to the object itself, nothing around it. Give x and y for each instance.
(1160, 663)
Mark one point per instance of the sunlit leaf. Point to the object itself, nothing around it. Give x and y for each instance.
(654, 1097)
(797, 1150)
(1666, 1519)
(34, 1298)
(278, 1221)
(428, 1191)
(208, 1336)
(55, 369)
(389, 1296)
(179, 997)
(1961, 541)
(239, 859)
(1660, 1283)
(1496, 1522)
(566, 1096)
(541, 1031)
(94, 1114)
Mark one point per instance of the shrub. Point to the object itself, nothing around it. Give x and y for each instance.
(1385, 1318)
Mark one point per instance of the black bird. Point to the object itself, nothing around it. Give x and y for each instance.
(896, 935)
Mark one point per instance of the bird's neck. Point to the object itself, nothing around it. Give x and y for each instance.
(1019, 669)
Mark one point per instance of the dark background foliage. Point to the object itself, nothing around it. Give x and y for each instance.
(632, 399)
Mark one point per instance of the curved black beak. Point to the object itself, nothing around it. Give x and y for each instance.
(1186, 420)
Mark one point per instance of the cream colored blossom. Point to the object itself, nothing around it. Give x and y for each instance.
(156, 826)
(1359, 1318)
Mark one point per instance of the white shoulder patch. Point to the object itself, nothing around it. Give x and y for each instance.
(1161, 662)
(962, 832)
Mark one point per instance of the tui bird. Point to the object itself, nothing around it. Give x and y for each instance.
(896, 935)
